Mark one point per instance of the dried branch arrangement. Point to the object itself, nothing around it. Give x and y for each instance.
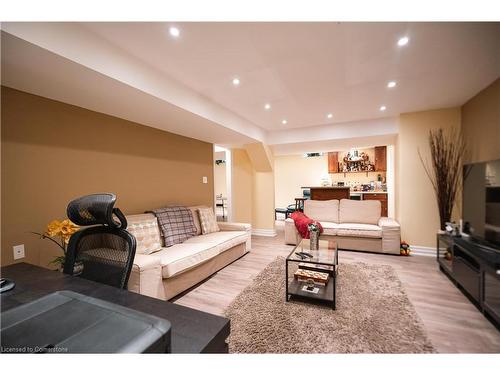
(448, 151)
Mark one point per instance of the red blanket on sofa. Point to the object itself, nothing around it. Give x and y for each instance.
(302, 221)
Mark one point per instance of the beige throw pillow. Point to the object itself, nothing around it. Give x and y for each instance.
(196, 218)
(147, 235)
(207, 221)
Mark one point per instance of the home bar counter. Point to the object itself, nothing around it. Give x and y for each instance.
(325, 193)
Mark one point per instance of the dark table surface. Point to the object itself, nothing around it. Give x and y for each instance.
(193, 331)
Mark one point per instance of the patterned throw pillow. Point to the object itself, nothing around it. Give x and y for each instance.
(176, 224)
(208, 221)
(147, 235)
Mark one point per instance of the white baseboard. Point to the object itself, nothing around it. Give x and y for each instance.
(423, 251)
(264, 232)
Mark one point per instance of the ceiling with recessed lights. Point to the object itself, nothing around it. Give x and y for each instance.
(306, 71)
(306, 85)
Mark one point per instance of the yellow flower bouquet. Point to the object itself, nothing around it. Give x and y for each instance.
(59, 232)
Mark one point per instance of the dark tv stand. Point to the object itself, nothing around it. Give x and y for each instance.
(475, 269)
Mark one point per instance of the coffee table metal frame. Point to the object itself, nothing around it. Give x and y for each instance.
(328, 292)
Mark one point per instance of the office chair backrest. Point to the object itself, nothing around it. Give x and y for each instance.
(96, 209)
(105, 251)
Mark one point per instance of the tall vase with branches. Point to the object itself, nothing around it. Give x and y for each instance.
(448, 152)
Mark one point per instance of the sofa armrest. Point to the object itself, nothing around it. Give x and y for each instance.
(143, 262)
(387, 222)
(391, 235)
(292, 236)
(146, 277)
(234, 226)
(245, 227)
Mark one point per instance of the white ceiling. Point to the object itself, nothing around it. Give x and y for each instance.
(339, 144)
(304, 70)
(30, 68)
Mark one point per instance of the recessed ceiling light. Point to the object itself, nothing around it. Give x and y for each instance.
(391, 84)
(236, 81)
(403, 41)
(267, 106)
(284, 122)
(174, 31)
(329, 115)
(383, 108)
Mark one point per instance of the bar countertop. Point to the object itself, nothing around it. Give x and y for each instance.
(324, 187)
(345, 187)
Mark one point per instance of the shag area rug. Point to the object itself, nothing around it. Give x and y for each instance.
(374, 315)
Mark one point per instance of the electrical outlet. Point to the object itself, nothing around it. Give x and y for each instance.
(18, 252)
(205, 179)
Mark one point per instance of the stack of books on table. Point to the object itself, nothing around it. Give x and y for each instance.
(320, 278)
(317, 267)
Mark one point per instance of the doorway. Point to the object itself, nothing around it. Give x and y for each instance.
(222, 183)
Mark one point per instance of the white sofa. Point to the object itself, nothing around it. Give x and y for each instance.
(172, 270)
(355, 225)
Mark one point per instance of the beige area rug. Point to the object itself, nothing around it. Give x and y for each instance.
(374, 315)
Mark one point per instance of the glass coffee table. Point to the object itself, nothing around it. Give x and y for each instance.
(314, 276)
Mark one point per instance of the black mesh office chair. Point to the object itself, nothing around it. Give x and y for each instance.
(105, 251)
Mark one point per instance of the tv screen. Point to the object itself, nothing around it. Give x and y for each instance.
(481, 201)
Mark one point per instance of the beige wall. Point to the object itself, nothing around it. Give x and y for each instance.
(481, 124)
(262, 161)
(253, 190)
(261, 156)
(416, 203)
(263, 201)
(241, 186)
(293, 171)
(54, 152)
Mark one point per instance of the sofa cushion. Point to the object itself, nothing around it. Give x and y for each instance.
(199, 249)
(329, 228)
(207, 220)
(182, 257)
(362, 212)
(146, 232)
(322, 210)
(223, 240)
(359, 230)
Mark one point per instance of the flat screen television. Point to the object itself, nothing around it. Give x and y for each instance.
(481, 201)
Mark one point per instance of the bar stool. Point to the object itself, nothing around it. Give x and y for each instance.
(299, 204)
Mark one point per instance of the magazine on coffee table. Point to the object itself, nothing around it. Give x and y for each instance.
(316, 267)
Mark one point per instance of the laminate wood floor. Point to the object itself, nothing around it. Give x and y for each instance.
(453, 324)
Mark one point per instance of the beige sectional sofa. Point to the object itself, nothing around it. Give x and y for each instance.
(355, 225)
(166, 273)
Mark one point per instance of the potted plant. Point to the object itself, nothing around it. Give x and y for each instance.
(59, 232)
